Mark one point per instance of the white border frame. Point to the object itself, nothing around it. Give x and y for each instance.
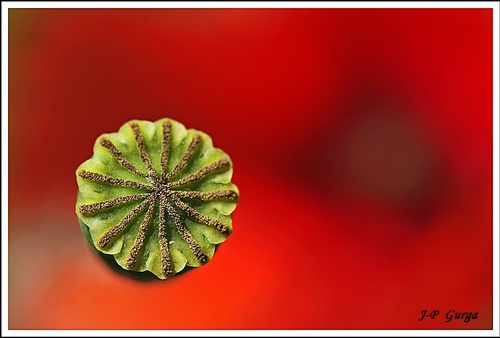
(252, 4)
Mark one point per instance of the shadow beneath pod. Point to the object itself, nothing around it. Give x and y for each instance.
(145, 276)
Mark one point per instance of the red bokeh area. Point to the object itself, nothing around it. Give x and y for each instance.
(362, 148)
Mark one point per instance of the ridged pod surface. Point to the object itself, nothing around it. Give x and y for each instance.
(156, 196)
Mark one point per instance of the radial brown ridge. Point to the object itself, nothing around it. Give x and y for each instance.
(139, 241)
(120, 158)
(96, 177)
(94, 207)
(193, 245)
(200, 173)
(200, 217)
(186, 157)
(165, 149)
(209, 195)
(111, 233)
(166, 265)
(142, 149)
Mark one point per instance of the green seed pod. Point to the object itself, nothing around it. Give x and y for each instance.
(156, 197)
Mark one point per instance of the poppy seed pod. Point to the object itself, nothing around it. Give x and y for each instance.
(156, 197)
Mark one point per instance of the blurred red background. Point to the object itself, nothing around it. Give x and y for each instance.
(362, 145)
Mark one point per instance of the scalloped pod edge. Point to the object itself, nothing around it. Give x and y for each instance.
(156, 196)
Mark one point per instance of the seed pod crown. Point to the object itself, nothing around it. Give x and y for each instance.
(157, 197)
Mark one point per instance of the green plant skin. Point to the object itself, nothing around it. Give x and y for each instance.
(149, 259)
